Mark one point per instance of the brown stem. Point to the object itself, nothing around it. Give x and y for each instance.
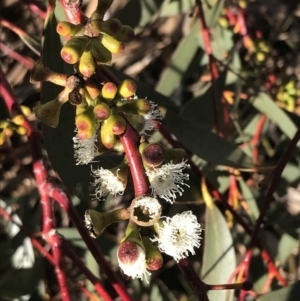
(73, 12)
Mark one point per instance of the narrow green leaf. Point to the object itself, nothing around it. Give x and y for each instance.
(289, 293)
(213, 12)
(263, 103)
(219, 257)
(201, 109)
(175, 7)
(286, 245)
(180, 62)
(205, 144)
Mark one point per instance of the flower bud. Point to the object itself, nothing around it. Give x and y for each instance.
(92, 88)
(2, 137)
(49, 112)
(96, 222)
(111, 27)
(108, 139)
(18, 119)
(101, 9)
(73, 49)
(126, 34)
(127, 88)
(113, 45)
(8, 131)
(3, 124)
(109, 91)
(21, 130)
(115, 124)
(68, 29)
(101, 54)
(153, 155)
(102, 110)
(154, 259)
(87, 65)
(41, 73)
(86, 124)
(176, 155)
(26, 110)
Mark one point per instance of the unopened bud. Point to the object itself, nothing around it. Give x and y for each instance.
(126, 34)
(26, 110)
(153, 155)
(101, 54)
(101, 9)
(21, 130)
(73, 49)
(127, 88)
(87, 65)
(102, 110)
(111, 27)
(86, 124)
(176, 155)
(154, 259)
(68, 29)
(109, 91)
(115, 124)
(8, 131)
(18, 119)
(113, 45)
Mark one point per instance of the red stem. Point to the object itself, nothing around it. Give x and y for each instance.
(37, 7)
(59, 195)
(27, 62)
(73, 12)
(129, 140)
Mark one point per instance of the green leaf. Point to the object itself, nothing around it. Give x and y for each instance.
(205, 144)
(263, 103)
(139, 13)
(182, 57)
(286, 245)
(201, 109)
(213, 12)
(219, 257)
(175, 7)
(289, 293)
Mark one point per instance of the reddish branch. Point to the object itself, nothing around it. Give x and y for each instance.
(73, 12)
(37, 7)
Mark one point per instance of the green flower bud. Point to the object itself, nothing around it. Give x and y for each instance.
(126, 34)
(176, 155)
(108, 139)
(69, 29)
(101, 54)
(115, 124)
(111, 27)
(86, 124)
(112, 44)
(87, 65)
(18, 119)
(73, 49)
(21, 130)
(127, 88)
(41, 73)
(109, 91)
(154, 259)
(102, 110)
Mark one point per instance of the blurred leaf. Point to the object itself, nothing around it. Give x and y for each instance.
(287, 244)
(73, 236)
(206, 144)
(289, 293)
(92, 265)
(213, 12)
(170, 8)
(250, 199)
(181, 59)
(201, 109)
(138, 13)
(22, 281)
(219, 257)
(263, 103)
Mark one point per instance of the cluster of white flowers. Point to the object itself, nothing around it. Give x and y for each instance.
(166, 180)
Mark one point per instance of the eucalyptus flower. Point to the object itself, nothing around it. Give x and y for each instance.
(167, 181)
(84, 150)
(151, 119)
(179, 235)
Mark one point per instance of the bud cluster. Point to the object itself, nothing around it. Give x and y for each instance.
(14, 125)
(103, 113)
